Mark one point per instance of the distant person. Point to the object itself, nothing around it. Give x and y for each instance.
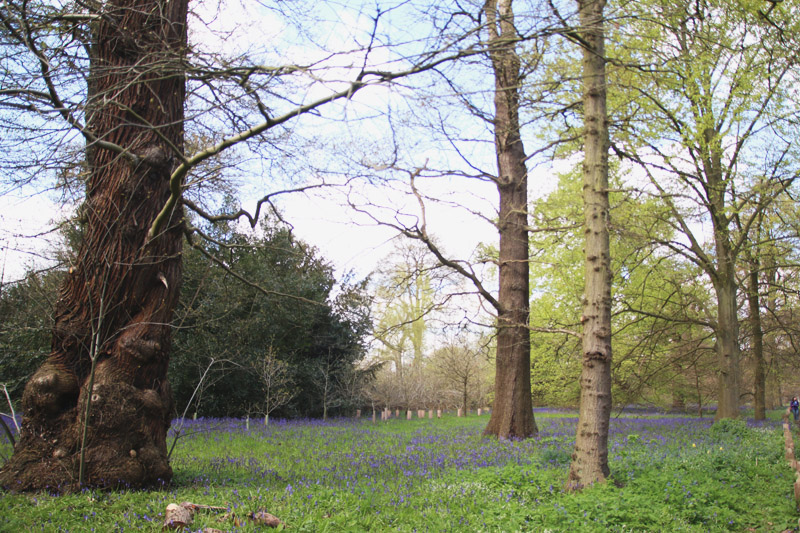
(794, 405)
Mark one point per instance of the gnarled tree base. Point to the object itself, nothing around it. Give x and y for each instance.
(125, 445)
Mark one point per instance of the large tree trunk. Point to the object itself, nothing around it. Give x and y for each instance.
(512, 412)
(590, 458)
(722, 271)
(728, 352)
(118, 299)
(724, 281)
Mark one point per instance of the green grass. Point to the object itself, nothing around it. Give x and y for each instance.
(670, 474)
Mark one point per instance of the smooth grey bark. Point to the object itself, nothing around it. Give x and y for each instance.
(590, 457)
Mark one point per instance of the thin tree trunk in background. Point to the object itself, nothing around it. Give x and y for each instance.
(678, 401)
(590, 458)
(699, 392)
(138, 89)
(512, 412)
(771, 376)
(465, 396)
(759, 376)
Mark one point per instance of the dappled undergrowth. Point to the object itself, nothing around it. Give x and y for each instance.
(670, 474)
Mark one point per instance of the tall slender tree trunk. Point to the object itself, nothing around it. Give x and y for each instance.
(137, 90)
(419, 324)
(512, 413)
(465, 396)
(759, 375)
(771, 377)
(590, 458)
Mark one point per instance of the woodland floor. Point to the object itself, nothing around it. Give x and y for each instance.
(670, 473)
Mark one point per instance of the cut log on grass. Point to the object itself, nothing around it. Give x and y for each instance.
(263, 518)
(180, 515)
(177, 516)
(198, 506)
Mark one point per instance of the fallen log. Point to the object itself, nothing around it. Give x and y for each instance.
(180, 515)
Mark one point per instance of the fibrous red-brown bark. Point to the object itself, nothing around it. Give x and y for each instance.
(120, 294)
(512, 412)
(590, 458)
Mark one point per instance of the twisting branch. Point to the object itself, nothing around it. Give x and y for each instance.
(25, 36)
(365, 78)
(253, 218)
(420, 233)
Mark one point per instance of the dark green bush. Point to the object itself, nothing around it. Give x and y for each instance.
(729, 428)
